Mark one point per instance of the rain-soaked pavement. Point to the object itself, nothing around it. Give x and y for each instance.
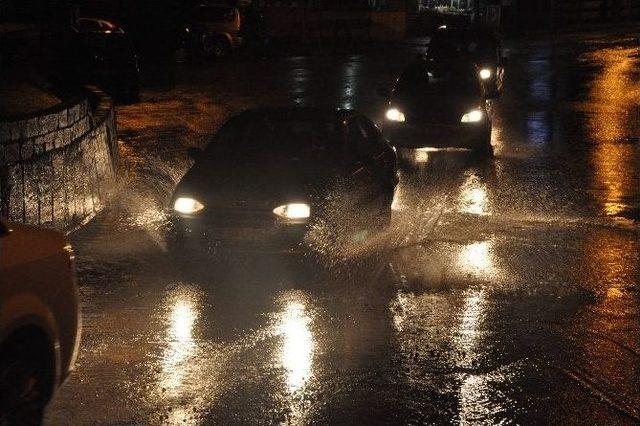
(505, 291)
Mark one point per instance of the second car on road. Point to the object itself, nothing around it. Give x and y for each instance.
(437, 105)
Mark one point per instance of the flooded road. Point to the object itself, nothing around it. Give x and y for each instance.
(505, 291)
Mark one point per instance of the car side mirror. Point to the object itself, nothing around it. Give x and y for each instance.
(195, 153)
(383, 92)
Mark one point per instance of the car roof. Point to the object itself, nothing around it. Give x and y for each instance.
(298, 113)
(464, 33)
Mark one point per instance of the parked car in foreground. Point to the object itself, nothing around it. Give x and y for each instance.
(437, 105)
(270, 175)
(477, 47)
(39, 320)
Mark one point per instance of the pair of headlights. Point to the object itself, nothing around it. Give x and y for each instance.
(291, 211)
(474, 116)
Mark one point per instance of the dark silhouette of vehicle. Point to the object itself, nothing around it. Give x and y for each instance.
(108, 60)
(437, 105)
(97, 52)
(39, 320)
(478, 47)
(213, 30)
(270, 176)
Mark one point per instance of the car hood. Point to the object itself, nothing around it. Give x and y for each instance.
(225, 185)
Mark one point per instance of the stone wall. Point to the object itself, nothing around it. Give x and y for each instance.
(59, 167)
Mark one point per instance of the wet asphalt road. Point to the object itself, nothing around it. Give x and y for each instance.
(505, 291)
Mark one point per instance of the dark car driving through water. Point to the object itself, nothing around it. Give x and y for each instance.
(272, 179)
(477, 47)
(435, 106)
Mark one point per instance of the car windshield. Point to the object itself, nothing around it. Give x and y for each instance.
(279, 138)
(442, 82)
(479, 48)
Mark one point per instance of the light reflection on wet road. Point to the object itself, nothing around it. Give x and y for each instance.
(505, 291)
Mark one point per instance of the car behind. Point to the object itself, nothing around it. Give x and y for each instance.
(213, 30)
(476, 47)
(437, 105)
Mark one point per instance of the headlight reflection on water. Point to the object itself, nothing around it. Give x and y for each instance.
(474, 197)
(478, 259)
(298, 346)
(183, 313)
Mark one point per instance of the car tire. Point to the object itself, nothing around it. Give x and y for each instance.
(215, 47)
(25, 383)
(220, 49)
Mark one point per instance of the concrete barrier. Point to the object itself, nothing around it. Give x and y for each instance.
(59, 167)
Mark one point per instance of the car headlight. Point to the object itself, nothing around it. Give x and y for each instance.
(394, 114)
(472, 116)
(293, 211)
(186, 205)
(485, 73)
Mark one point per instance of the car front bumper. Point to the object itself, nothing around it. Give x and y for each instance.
(465, 136)
(210, 236)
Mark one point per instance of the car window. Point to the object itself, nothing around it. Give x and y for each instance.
(88, 25)
(445, 79)
(245, 138)
(475, 47)
(108, 26)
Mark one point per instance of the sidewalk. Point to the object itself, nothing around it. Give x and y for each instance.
(22, 97)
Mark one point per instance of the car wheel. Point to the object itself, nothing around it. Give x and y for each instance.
(220, 48)
(24, 386)
(215, 47)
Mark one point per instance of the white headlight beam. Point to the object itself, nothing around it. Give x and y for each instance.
(187, 205)
(394, 114)
(293, 211)
(472, 116)
(485, 73)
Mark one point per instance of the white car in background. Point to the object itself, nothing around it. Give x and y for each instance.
(39, 320)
